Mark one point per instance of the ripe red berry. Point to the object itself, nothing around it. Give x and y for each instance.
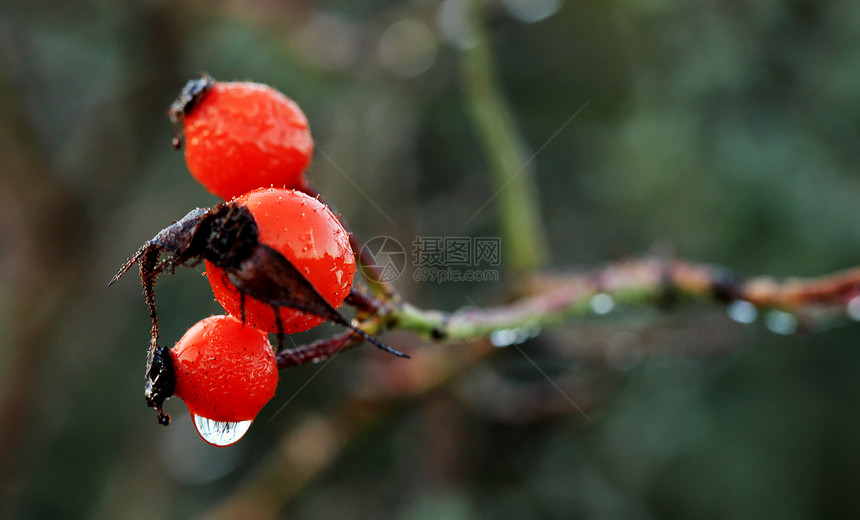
(305, 232)
(242, 135)
(225, 373)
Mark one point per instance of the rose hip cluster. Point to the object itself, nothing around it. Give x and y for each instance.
(276, 257)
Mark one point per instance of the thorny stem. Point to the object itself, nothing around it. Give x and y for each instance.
(364, 303)
(366, 306)
(813, 301)
(646, 281)
(318, 350)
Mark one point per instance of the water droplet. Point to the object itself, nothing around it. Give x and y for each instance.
(507, 337)
(853, 308)
(502, 338)
(220, 433)
(742, 311)
(602, 303)
(780, 322)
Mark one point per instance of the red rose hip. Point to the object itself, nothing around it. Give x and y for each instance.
(225, 372)
(242, 135)
(309, 236)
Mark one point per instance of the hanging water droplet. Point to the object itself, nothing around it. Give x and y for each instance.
(602, 303)
(220, 433)
(853, 308)
(742, 311)
(502, 338)
(780, 322)
(507, 337)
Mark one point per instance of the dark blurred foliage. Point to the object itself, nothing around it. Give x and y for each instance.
(725, 131)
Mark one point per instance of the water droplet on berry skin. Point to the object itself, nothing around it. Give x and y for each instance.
(220, 433)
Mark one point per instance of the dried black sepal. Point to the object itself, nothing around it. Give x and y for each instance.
(160, 381)
(188, 98)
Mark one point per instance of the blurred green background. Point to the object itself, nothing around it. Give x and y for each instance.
(724, 131)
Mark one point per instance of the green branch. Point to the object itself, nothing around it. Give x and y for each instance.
(788, 305)
(806, 303)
